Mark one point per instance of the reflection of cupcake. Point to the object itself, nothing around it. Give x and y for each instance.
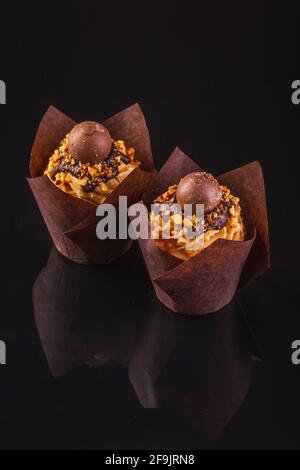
(94, 162)
(222, 215)
(200, 368)
(158, 349)
(89, 164)
(75, 323)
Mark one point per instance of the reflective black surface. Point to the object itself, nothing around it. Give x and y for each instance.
(218, 86)
(108, 343)
(100, 363)
(198, 367)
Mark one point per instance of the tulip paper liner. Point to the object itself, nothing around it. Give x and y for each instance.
(208, 281)
(72, 221)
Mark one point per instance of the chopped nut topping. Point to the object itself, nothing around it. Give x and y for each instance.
(224, 221)
(89, 180)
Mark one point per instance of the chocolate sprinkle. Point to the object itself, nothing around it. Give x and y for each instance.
(54, 172)
(90, 186)
(219, 222)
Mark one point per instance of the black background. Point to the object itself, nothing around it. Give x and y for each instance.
(216, 82)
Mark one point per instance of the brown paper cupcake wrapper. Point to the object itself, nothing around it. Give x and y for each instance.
(208, 281)
(72, 221)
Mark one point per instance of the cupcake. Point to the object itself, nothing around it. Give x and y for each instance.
(89, 164)
(201, 275)
(222, 215)
(75, 167)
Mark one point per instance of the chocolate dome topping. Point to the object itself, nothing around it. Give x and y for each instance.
(89, 141)
(199, 188)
